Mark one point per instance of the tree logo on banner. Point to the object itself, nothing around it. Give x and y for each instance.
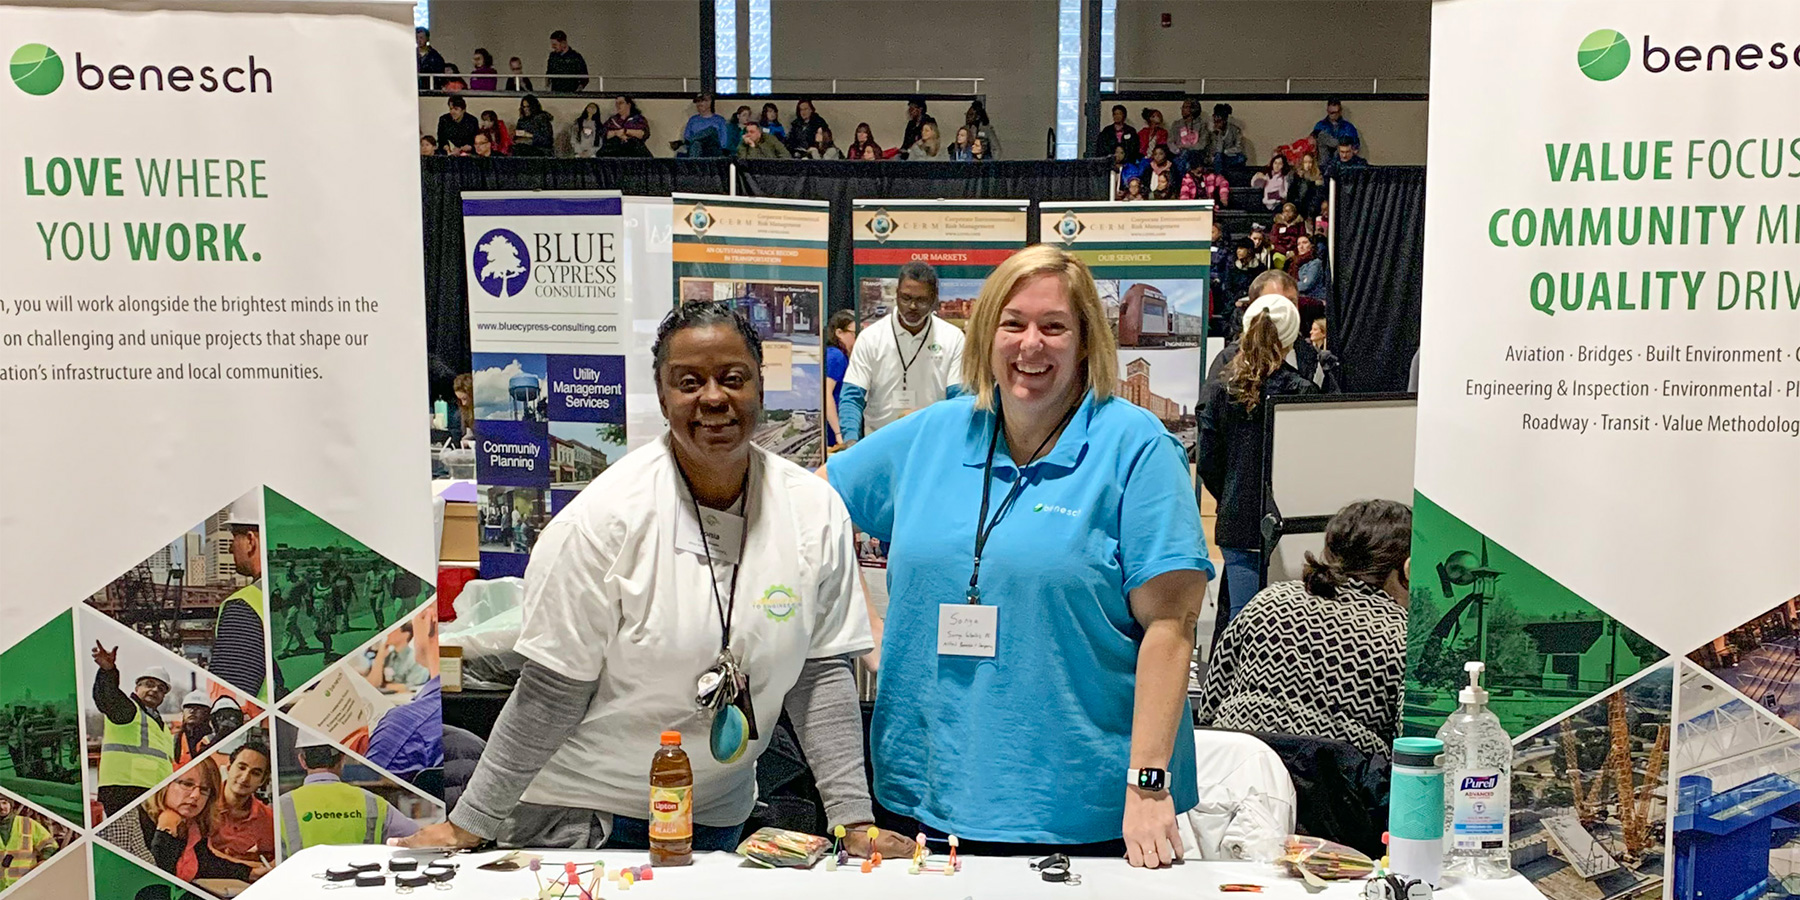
(1603, 55)
(882, 226)
(502, 266)
(36, 69)
(1070, 227)
(700, 220)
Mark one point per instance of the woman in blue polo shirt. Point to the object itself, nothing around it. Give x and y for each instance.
(1046, 573)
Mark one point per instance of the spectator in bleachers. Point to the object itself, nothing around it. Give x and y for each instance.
(518, 81)
(770, 120)
(960, 149)
(803, 131)
(496, 132)
(1308, 269)
(1307, 188)
(1333, 131)
(916, 117)
(483, 146)
(706, 133)
(1221, 255)
(1202, 183)
(1124, 168)
(978, 150)
(484, 65)
(865, 140)
(1322, 221)
(976, 118)
(565, 60)
(1161, 180)
(585, 136)
(740, 121)
(1133, 190)
(427, 145)
(1190, 129)
(1117, 134)
(871, 152)
(627, 133)
(1348, 158)
(1243, 270)
(1318, 337)
(1286, 230)
(1275, 183)
(452, 80)
(760, 145)
(431, 62)
(1259, 243)
(456, 128)
(823, 146)
(1153, 132)
(929, 146)
(1224, 140)
(535, 132)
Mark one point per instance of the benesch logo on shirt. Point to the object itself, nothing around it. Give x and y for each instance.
(312, 814)
(1059, 510)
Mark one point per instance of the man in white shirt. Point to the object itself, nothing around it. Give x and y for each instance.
(903, 361)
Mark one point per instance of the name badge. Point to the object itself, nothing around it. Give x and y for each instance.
(967, 629)
(724, 534)
(911, 399)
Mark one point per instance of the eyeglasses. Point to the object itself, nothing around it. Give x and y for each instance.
(196, 786)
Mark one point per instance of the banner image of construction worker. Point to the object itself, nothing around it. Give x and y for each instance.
(211, 825)
(40, 738)
(384, 702)
(144, 718)
(330, 795)
(200, 596)
(29, 839)
(329, 593)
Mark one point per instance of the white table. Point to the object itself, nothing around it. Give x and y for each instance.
(728, 876)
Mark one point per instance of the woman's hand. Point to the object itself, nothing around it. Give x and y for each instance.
(170, 821)
(1152, 838)
(891, 844)
(443, 835)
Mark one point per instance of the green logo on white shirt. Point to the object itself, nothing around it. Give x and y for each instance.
(779, 603)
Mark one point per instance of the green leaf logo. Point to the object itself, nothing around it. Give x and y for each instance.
(1604, 55)
(1038, 508)
(36, 69)
(306, 816)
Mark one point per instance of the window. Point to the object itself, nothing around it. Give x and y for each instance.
(759, 46)
(422, 13)
(725, 55)
(1109, 13)
(1068, 79)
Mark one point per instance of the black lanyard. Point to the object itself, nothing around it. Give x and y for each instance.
(906, 364)
(985, 529)
(725, 604)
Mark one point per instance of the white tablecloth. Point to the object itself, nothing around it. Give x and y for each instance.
(725, 875)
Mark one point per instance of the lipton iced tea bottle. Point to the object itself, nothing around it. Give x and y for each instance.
(671, 804)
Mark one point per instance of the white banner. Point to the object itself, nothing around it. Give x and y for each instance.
(549, 316)
(214, 488)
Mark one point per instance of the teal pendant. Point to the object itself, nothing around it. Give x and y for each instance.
(730, 735)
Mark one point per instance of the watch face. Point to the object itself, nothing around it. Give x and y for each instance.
(1150, 779)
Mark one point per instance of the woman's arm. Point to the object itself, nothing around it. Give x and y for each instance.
(831, 408)
(1168, 608)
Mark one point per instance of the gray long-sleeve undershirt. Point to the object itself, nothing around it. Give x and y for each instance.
(546, 708)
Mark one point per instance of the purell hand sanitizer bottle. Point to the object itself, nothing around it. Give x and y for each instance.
(1477, 786)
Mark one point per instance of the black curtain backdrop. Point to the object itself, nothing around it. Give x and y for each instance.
(443, 180)
(845, 181)
(1378, 282)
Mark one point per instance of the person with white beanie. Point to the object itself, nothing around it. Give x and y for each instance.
(1232, 438)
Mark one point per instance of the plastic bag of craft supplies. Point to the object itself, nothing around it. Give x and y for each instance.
(779, 848)
(1316, 859)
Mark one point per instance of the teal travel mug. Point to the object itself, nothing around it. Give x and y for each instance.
(1416, 810)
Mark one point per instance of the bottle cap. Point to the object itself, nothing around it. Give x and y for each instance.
(1417, 751)
(1474, 693)
(671, 739)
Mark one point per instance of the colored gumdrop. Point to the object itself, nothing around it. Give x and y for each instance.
(831, 864)
(868, 866)
(649, 874)
(839, 831)
(843, 857)
(873, 833)
(875, 857)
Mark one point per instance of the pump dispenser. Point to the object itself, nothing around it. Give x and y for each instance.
(1477, 785)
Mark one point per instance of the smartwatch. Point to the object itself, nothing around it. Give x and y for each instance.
(1153, 780)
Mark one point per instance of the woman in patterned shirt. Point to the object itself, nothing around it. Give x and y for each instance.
(1324, 656)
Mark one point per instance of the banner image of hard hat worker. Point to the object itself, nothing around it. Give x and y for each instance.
(144, 714)
(200, 596)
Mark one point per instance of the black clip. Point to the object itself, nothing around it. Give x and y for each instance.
(1055, 869)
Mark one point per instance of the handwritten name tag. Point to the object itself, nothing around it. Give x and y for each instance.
(966, 629)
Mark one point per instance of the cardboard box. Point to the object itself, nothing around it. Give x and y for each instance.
(462, 535)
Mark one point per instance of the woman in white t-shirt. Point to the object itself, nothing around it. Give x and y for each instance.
(631, 615)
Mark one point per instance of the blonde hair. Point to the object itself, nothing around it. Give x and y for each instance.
(1099, 347)
(208, 772)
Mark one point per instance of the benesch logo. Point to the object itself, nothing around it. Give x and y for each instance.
(38, 70)
(1606, 54)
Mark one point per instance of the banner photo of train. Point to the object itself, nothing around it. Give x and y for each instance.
(768, 260)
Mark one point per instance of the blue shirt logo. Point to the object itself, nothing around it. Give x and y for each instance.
(501, 264)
